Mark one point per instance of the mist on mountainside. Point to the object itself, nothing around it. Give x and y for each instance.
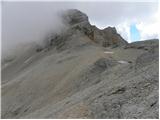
(30, 23)
(27, 24)
(83, 72)
(76, 60)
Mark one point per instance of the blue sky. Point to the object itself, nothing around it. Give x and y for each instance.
(134, 33)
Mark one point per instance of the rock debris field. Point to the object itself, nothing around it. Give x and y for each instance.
(83, 72)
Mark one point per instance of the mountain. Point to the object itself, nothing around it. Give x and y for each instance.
(83, 72)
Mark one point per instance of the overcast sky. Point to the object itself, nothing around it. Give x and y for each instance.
(32, 21)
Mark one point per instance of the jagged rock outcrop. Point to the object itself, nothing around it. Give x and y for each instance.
(78, 23)
(74, 16)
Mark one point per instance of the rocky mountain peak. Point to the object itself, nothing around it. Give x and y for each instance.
(74, 16)
(73, 77)
(111, 30)
(80, 28)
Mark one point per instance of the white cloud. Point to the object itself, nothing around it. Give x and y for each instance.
(124, 30)
(150, 28)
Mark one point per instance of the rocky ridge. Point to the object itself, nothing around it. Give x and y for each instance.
(83, 72)
(78, 24)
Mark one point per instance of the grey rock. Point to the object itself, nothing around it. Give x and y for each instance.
(74, 16)
(74, 76)
(78, 24)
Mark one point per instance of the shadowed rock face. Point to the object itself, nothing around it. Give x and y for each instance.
(112, 38)
(83, 72)
(74, 16)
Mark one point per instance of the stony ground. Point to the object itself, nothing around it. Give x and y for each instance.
(75, 77)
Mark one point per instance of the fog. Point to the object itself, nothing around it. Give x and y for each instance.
(26, 22)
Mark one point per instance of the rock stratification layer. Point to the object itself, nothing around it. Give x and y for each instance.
(83, 72)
